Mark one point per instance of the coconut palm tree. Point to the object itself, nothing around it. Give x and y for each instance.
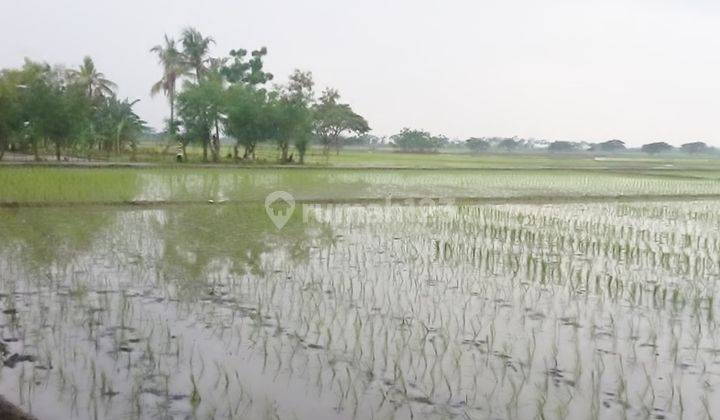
(174, 68)
(93, 81)
(195, 51)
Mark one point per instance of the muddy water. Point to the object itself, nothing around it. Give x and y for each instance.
(362, 311)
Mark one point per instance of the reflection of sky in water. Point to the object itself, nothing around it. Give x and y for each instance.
(434, 311)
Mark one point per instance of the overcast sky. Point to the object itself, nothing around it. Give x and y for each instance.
(573, 70)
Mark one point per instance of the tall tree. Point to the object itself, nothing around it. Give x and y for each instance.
(195, 52)
(54, 109)
(292, 115)
(174, 67)
(200, 105)
(32, 80)
(333, 119)
(248, 118)
(249, 114)
(11, 88)
(93, 82)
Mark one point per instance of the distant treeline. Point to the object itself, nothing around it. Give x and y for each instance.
(421, 141)
(515, 144)
(76, 111)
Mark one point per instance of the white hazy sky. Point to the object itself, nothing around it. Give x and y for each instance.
(639, 70)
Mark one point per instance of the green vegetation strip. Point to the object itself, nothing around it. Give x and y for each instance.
(52, 186)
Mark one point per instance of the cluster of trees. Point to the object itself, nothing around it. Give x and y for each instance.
(505, 144)
(46, 107)
(421, 141)
(49, 107)
(697, 147)
(229, 95)
(364, 140)
(611, 146)
(418, 141)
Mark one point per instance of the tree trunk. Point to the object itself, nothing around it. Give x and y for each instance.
(184, 152)
(3, 147)
(205, 150)
(249, 151)
(302, 158)
(216, 142)
(236, 151)
(57, 151)
(284, 152)
(172, 111)
(35, 150)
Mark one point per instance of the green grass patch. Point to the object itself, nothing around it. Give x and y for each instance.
(36, 185)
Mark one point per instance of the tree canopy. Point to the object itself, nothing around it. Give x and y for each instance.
(334, 119)
(657, 147)
(92, 81)
(249, 118)
(410, 140)
(696, 147)
(610, 146)
(229, 95)
(69, 110)
(476, 144)
(562, 146)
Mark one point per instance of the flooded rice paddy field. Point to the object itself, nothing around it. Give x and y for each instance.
(52, 185)
(588, 310)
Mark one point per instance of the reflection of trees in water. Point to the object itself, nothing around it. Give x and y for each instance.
(188, 245)
(246, 185)
(41, 239)
(203, 243)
